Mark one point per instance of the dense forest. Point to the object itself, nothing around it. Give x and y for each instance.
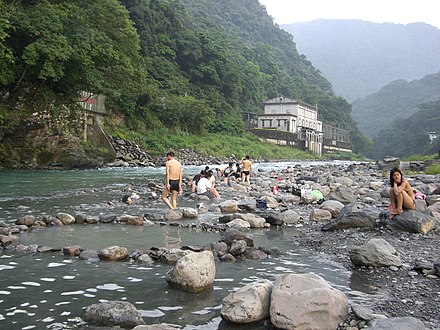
(399, 99)
(361, 57)
(409, 136)
(190, 66)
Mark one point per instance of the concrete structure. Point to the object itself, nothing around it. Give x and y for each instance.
(297, 118)
(93, 118)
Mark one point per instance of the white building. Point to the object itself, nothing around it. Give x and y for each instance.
(294, 117)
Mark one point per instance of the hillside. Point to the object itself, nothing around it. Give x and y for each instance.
(361, 57)
(410, 136)
(399, 99)
(186, 66)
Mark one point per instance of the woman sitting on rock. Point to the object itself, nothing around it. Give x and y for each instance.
(401, 193)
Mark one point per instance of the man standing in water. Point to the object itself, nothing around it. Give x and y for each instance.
(173, 181)
(247, 169)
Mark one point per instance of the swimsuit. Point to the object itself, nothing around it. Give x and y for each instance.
(174, 185)
(246, 172)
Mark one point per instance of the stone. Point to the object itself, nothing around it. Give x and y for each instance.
(351, 220)
(189, 212)
(237, 247)
(27, 220)
(290, 217)
(194, 272)
(228, 206)
(6, 240)
(73, 250)
(66, 218)
(343, 195)
(249, 304)
(362, 312)
(232, 234)
(108, 218)
(113, 313)
(376, 252)
(412, 221)
(135, 220)
(333, 206)
(306, 301)
(89, 255)
(162, 326)
(320, 215)
(173, 215)
(173, 255)
(254, 254)
(239, 224)
(401, 323)
(113, 253)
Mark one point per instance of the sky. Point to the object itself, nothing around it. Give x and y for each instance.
(377, 11)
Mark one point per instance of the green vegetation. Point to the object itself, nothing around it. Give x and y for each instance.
(217, 144)
(410, 135)
(419, 157)
(187, 68)
(433, 169)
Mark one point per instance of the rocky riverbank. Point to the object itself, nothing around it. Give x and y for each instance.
(349, 228)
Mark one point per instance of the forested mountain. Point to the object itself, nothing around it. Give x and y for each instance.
(399, 99)
(189, 65)
(361, 57)
(410, 136)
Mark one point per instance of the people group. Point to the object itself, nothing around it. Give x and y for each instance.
(202, 183)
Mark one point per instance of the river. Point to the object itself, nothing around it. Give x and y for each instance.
(49, 290)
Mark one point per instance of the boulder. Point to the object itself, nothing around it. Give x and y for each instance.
(376, 252)
(237, 247)
(113, 313)
(107, 218)
(89, 255)
(113, 253)
(231, 234)
(306, 301)
(249, 304)
(73, 250)
(228, 206)
(27, 220)
(135, 220)
(173, 255)
(194, 272)
(173, 215)
(320, 215)
(351, 220)
(343, 195)
(239, 224)
(290, 217)
(333, 206)
(66, 218)
(412, 221)
(189, 212)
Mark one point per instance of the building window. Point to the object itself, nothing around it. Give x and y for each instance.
(262, 122)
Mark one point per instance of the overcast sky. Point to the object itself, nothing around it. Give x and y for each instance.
(378, 11)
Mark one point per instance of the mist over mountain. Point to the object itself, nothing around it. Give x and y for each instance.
(360, 57)
(399, 99)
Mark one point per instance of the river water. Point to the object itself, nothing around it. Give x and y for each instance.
(49, 290)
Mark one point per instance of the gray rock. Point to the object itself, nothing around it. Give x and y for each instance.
(113, 313)
(113, 253)
(27, 220)
(351, 220)
(412, 221)
(66, 218)
(376, 252)
(343, 195)
(401, 323)
(108, 218)
(237, 247)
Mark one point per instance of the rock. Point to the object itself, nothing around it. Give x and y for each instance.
(113, 313)
(154, 216)
(249, 304)
(135, 220)
(351, 220)
(253, 220)
(162, 326)
(173, 255)
(254, 254)
(113, 253)
(173, 215)
(108, 218)
(343, 195)
(194, 273)
(273, 218)
(333, 206)
(401, 323)
(320, 215)
(231, 234)
(362, 313)
(72, 251)
(376, 252)
(228, 206)
(89, 255)
(144, 259)
(189, 212)
(237, 247)
(412, 221)
(66, 218)
(239, 224)
(306, 301)
(290, 217)
(6, 240)
(435, 209)
(27, 220)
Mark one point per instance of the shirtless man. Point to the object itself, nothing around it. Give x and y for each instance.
(247, 168)
(173, 181)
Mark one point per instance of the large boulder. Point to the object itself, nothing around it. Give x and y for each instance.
(376, 252)
(355, 219)
(113, 313)
(228, 206)
(412, 221)
(333, 206)
(194, 272)
(27, 220)
(249, 304)
(306, 301)
(66, 218)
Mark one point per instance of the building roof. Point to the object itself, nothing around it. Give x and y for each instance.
(286, 100)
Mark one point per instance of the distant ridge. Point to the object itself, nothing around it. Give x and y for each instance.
(360, 57)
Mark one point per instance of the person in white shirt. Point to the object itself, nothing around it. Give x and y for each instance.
(204, 186)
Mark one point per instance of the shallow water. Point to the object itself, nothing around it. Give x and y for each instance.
(49, 290)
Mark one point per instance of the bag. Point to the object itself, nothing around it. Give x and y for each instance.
(261, 204)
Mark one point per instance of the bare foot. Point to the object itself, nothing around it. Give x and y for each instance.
(395, 212)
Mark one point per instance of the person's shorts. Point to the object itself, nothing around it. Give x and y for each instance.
(174, 185)
(246, 172)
